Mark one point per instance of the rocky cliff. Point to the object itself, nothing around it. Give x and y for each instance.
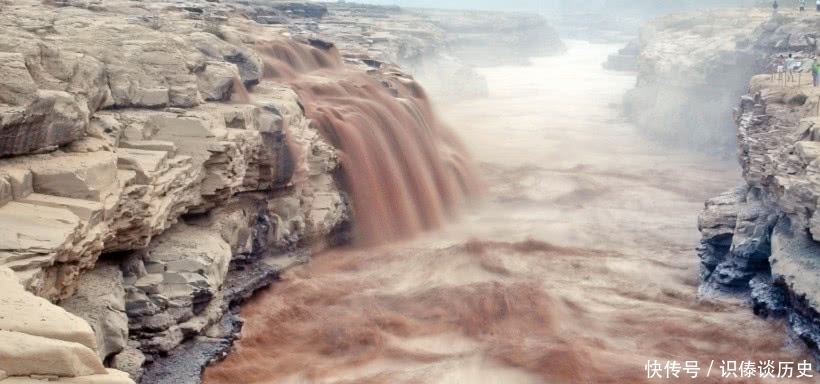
(692, 68)
(157, 168)
(761, 238)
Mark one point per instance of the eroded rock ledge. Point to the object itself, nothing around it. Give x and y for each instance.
(151, 179)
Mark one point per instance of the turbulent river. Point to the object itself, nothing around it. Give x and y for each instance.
(577, 267)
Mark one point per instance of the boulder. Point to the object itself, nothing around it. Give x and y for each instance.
(24, 354)
(51, 119)
(247, 61)
(22, 312)
(216, 81)
(129, 360)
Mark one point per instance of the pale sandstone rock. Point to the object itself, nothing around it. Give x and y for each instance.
(90, 212)
(24, 354)
(248, 62)
(21, 311)
(41, 340)
(21, 182)
(46, 246)
(243, 117)
(6, 191)
(151, 145)
(192, 133)
(130, 360)
(88, 176)
(111, 377)
(216, 81)
(152, 72)
(104, 125)
(808, 151)
(16, 87)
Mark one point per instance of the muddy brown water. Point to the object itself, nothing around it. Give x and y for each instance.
(578, 266)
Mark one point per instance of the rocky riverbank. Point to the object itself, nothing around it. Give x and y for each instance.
(760, 240)
(154, 173)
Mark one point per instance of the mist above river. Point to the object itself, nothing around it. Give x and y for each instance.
(579, 266)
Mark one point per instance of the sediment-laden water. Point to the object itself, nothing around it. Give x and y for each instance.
(578, 267)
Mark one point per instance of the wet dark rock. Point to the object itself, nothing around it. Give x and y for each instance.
(768, 298)
(732, 275)
(185, 363)
(736, 228)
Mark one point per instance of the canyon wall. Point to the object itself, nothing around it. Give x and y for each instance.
(692, 68)
(162, 161)
(760, 240)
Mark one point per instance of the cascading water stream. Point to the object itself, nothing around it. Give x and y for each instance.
(404, 170)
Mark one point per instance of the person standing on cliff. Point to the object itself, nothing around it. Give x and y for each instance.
(790, 68)
(815, 71)
(779, 65)
(775, 5)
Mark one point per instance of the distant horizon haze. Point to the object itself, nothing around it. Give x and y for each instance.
(562, 5)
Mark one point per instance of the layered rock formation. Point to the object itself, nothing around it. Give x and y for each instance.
(154, 174)
(761, 239)
(692, 69)
(137, 173)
